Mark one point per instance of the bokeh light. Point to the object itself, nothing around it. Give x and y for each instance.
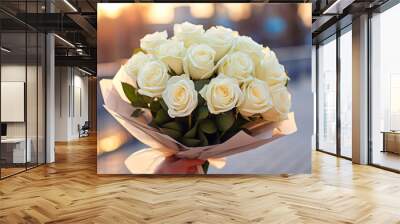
(304, 11)
(238, 11)
(110, 10)
(111, 142)
(202, 11)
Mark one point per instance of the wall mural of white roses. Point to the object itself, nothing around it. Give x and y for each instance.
(201, 94)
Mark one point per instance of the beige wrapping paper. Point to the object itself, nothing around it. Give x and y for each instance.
(161, 146)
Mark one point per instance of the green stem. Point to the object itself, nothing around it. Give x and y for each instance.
(190, 121)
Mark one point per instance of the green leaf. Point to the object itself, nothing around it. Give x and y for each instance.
(199, 84)
(146, 99)
(163, 105)
(137, 112)
(225, 121)
(173, 125)
(240, 121)
(161, 117)
(191, 142)
(203, 138)
(207, 126)
(191, 133)
(136, 99)
(129, 91)
(172, 133)
(202, 101)
(237, 126)
(201, 113)
(155, 106)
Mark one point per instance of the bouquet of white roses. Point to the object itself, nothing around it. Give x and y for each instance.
(199, 93)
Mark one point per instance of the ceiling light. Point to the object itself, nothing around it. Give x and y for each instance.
(65, 41)
(70, 5)
(5, 50)
(84, 71)
(329, 9)
(337, 7)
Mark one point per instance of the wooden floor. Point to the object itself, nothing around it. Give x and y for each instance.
(69, 191)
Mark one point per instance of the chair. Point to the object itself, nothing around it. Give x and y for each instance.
(84, 130)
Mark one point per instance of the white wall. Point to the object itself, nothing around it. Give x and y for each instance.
(80, 110)
(61, 103)
(71, 94)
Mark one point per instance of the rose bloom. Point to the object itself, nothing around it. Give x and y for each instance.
(222, 94)
(180, 96)
(247, 45)
(152, 79)
(137, 61)
(281, 100)
(237, 65)
(257, 98)
(220, 39)
(172, 53)
(188, 33)
(199, 61)
(151, 42)
(270, 71)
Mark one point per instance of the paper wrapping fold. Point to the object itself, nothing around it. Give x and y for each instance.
(145, 161)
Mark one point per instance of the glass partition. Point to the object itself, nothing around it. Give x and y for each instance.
(327, 96)
(13, 94)
(385, 90)
(22, 78)
(31, 98)
(346, 93)
(41, 97)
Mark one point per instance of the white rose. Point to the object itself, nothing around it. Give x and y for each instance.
(257, 98)
(188, 33)
(220, 39)
(133, 65)
(199, 61)
(121, 77)
(222, 94)
(180, 96)
(152, 79)
(249, 46)
(281, 100)
(151, 42)
(172, 53)
(237, 65)
(270, 71)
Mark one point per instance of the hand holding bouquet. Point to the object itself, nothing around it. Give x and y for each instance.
(197, 93)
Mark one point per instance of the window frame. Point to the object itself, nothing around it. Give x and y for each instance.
(334, 37)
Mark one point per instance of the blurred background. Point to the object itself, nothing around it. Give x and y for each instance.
(284, 27)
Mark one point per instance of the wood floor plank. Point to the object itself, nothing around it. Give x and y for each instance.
(70, 191)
